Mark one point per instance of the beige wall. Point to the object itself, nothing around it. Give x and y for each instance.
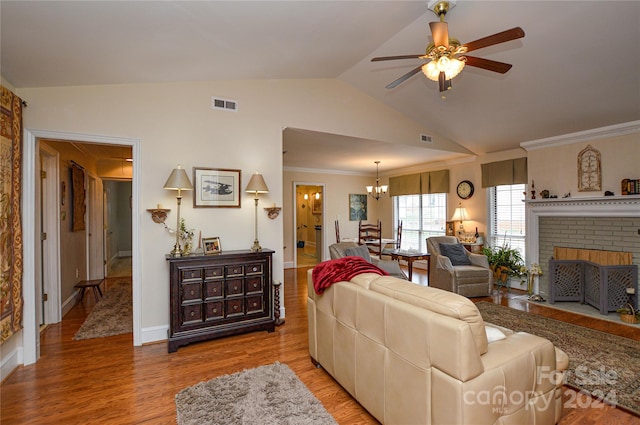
(176, 125)
(555, 168)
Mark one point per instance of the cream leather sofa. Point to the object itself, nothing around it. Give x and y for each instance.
(411, 354)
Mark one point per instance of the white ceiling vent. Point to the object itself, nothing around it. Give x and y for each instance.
(226, 104)
(424, 138)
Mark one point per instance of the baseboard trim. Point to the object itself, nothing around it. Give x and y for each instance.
(10, 363)
(154, 334)
(288, 265)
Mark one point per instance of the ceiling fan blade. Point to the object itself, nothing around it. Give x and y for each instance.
(404, 78)
(488, 64)
(392, 58)
(501, 37)
(440, 33)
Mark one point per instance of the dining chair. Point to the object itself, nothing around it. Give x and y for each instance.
(371, 236)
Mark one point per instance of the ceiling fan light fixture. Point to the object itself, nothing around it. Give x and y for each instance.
(450, 66)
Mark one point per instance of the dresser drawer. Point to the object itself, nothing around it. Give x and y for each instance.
(254, 285)
(214, 310)
(190, 274)
(213, 289)
(214, 272)
(234, 307)
(233, 287)
(255, 268)
(191, 314)
(191, 292)
(254, 304)
(234, 270)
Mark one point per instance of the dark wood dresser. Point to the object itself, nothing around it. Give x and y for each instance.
(218, 295)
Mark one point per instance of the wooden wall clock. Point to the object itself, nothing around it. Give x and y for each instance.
(465, 189)
(589, 170)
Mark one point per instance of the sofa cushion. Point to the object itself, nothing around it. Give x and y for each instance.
(438, 301)
(456, 253)
(359, 251)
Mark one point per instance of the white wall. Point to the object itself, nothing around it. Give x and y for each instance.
(176, 125)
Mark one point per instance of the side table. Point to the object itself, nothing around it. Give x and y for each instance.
(409, 257)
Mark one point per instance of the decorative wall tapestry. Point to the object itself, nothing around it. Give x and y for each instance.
(78, 207)
(10, 224)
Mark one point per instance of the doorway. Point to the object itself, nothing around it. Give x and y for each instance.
(309, 223)
(31, 227)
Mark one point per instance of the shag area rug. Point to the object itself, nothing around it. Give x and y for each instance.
(603, 365)
(270, 394)
(112, 315)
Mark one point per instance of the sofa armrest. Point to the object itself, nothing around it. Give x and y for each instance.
(442, 262)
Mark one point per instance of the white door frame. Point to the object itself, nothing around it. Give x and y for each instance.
(50, 261)
(30, 335)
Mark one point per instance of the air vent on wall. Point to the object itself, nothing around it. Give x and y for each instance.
(226, 104)
(424, 138)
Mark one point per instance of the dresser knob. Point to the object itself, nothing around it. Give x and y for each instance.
(193, 313)
(235, 307)
(215, 310)
(193, 292)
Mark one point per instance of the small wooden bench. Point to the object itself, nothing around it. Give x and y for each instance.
(94, 284)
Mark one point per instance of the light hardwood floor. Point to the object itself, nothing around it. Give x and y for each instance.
(108, 381)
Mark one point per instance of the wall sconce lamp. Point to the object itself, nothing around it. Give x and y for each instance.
(256, 185)
(159, 215)
(460, 214)
(273, 212)
(178, 180)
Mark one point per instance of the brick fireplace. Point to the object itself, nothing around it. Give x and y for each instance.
(603, 223)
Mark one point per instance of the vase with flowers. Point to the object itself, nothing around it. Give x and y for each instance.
(186, 237)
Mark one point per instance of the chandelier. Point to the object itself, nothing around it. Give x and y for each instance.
(377, 191)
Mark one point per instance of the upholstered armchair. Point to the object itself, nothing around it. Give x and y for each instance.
(455, 269)
(343, 249)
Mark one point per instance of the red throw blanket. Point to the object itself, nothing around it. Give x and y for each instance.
(329, 272)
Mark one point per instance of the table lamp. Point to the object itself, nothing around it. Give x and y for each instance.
(178, 180)
(256, 185)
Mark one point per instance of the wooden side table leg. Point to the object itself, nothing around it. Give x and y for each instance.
(276, 303)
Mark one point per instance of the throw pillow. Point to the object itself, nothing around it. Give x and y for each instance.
(494, 334)
(359, 251)
(456, 253)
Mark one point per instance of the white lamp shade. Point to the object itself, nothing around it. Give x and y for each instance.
(257, 184)
(460, 214)
(178, 180)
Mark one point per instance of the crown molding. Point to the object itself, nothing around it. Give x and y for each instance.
(583, 136)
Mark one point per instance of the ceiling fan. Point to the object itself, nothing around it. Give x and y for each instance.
(447, 57)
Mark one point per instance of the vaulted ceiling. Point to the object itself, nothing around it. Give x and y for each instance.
(577, 68)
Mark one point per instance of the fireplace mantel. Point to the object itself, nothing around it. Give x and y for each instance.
(604, 206)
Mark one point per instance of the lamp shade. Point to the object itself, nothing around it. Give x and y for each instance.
(178, 180)
(257, 184)
(460, 215)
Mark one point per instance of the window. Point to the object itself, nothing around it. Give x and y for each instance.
(507, 216)
(422, 216)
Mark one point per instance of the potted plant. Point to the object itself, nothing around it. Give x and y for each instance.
(505, 262)
(629, 314)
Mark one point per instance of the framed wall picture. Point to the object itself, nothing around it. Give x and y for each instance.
(216, 188)
(316, 205)
(357, 207)
(211, 245)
